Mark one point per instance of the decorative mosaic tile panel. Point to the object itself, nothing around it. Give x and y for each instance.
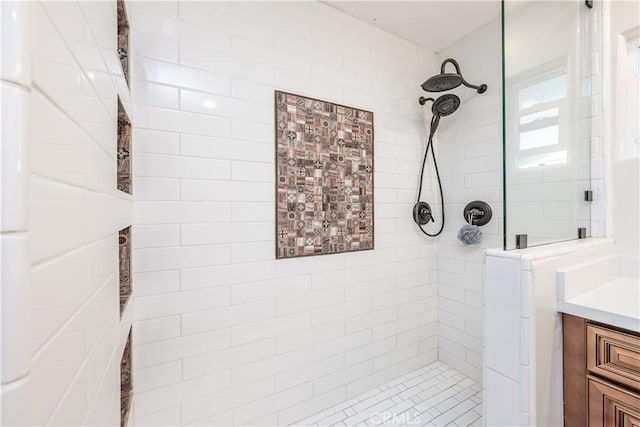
(126, 382)
(124, 259)
(124, 150)
(123, 39)
(324, 177)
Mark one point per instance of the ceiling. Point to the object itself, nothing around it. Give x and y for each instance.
(428, 23)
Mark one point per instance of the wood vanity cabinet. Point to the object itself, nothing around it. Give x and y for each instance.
(601, 374)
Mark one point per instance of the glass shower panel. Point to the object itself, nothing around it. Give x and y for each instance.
(546, 121)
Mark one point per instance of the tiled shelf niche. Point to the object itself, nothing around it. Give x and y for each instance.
(124, 261)
(124, 150)
(123, 39)
(126, 383)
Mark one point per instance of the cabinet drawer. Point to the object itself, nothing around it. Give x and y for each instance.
(614, 355)
(611, 406)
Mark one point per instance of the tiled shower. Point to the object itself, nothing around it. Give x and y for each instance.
(253, 339)
(142, 282)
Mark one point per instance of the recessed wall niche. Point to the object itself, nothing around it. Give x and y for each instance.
(123, 39)
(124, 261)
(126, 383)
(124, 150)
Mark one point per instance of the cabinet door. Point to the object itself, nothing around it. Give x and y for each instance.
(612, 406)
(614, 355)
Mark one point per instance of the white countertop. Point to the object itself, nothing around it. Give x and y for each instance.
(616, 303)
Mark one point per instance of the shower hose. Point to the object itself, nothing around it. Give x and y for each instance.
(435, 119)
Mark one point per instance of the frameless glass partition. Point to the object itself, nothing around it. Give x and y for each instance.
(547, 126)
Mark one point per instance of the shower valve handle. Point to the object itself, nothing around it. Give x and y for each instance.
(425, 212)
(422, 213)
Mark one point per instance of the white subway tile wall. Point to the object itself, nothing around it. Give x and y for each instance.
(469, 147)
(74, 336)
(224, 334)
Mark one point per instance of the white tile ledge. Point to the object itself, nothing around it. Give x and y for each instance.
(551, 250)
(615, 303)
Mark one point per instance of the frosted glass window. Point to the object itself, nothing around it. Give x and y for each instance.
(544, 91)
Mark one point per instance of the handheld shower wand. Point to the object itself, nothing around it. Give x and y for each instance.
(443, 106)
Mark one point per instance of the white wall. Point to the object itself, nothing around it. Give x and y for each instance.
(69, 329)
(469, 145)
(224, 334)
(622, 171)
(626, 206)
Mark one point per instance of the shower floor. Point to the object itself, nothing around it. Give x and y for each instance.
(434, 395)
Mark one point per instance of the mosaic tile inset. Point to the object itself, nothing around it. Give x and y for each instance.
(124, 150)
(324, 177)
(123, 39)
(126, 383)
(124, 262)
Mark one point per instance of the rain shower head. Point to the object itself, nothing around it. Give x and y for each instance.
(442, 82)
(447, 81)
